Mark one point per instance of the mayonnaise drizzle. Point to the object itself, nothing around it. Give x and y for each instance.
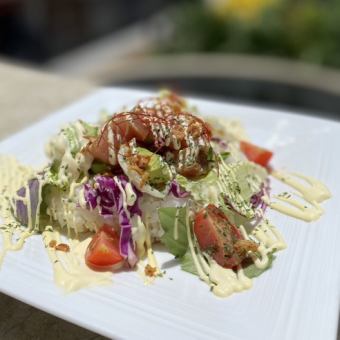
(151, 260)
(111, 146)
(13, 176)
(309, 190)
(226, 281)
(130, 194)
(269, 239)
(200, 271)
(70, 270)
(139, 235)
(9, 245)
(223, 282)
(176, 224)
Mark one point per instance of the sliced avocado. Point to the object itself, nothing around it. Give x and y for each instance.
(98, 167)
(159, 173)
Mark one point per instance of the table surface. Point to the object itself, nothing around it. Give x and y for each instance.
(25, 97)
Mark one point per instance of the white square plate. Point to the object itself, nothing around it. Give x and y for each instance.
(297, 299)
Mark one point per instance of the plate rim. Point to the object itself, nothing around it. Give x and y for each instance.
(95, 96)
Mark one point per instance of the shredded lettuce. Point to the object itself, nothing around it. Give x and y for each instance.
(90, 130)
(51, 175)
(69, 164)
(250, 177)
(241, 181)
(70, 139)
(167, 218)
(230, 187)
(75, 133)
(204, 190)
(70, 133)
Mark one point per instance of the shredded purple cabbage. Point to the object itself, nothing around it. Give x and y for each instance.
(21, 211)
(21, 208)
(176, 190)
(105, 193)
(258, 203)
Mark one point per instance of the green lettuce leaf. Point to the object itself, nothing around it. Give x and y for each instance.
(167, 217)
(252, 271)
(178, 247)
(187, 263)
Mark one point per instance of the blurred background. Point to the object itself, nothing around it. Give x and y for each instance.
(282, 53)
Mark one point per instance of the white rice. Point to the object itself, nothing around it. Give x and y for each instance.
(70, 215)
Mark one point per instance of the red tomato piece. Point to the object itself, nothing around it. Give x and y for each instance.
(256, 154)
(103, 250)
(217, 236)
